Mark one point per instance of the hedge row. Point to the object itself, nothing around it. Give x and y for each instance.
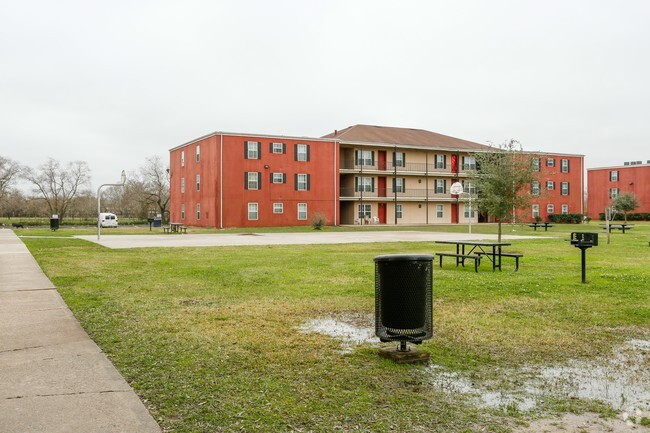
(638, 216)
(565, 218)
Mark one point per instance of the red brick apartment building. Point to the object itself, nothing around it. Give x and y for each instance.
(361, 174)
(606, 183)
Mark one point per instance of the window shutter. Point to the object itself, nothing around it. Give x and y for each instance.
(284, 178)
(308, 152)
(295, 182)
(308, 182)
(404, 159)
(284, 148)
(403, 184)
(372, 157)
(444, 165)
(270, 177)
(295, 152)
(259, 180)
(567, 165)
(259, 150)
(245, 180)
(372, 184)
(245, 149)
(444, 182)
(567, 188)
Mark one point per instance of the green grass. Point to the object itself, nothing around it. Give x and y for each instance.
(207, 336)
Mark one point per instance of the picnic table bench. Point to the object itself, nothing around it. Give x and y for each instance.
(536, 224)
(460, 259)
(621, 227)
(516, 256)
(490, 249)
(174, 228)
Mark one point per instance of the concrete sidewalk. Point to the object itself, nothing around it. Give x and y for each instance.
(53, 377)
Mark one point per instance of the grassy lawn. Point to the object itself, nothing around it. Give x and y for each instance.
(210, 340)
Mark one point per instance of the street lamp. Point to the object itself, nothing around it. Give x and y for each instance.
(99, 195)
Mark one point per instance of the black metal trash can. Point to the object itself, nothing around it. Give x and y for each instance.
(54, 223)
(157, 222)
(403, 297)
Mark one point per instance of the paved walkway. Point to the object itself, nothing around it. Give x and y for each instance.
(220, 240)
(53, 378)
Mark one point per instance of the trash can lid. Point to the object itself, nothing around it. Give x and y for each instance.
(404, 258)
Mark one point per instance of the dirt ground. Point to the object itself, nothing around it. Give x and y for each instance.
(585, 423)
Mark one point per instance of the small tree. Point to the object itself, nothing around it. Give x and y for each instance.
(58, 185)
(503, 179)
(155, 177)
(9, 171)
(625, 203)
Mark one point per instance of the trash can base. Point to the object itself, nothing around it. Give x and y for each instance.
(411, 356)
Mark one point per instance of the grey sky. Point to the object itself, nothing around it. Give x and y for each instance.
(111, 83)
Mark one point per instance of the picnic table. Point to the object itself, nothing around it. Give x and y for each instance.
(622, 227)
(490, 249)
(175, 228)
(536, 224)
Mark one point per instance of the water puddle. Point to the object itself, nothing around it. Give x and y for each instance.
(621, 380)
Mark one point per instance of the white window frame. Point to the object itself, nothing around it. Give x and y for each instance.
(564, 166)
(183, 211)
(550, 208)
(301, 181)
(440, 186)
(278, 177)
(301, 152)
(399, 211)
(182, 185)
(399, 159)
(365, 158)
(550, 162)
(440, 211)
(613, 192)
(564, 188)
(399, 184)
(565, 209)
(277, 148)
(466, 211)
(198, 211)
(440, 161)
(534, 188)
(182, 158)
(613, 175)
(253, 211)
(536, 164)
(278, 208)
(302, 211)
(364, 184)
(364, 210)
(198, 182)
(535, 210)
(253, 180)
(469, 164)
(252, 148)
(198, 153)
(550, 185)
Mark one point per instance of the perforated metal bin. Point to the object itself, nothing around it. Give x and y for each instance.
(403, 292)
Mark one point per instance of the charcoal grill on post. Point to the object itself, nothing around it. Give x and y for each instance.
(403, 292)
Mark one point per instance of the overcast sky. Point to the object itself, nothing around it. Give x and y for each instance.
(114, 82)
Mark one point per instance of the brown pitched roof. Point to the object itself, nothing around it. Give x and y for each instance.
(402, 136)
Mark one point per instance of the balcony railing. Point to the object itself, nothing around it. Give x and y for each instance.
(414, 167)
(389, 193)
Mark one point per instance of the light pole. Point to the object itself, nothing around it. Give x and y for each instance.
(99, 195)
(469, 193)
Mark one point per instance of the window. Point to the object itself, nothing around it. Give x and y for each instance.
(364, 184)
(535, 211)
(441, 186)
(534, 188)
(252, 150)
(564, 168)
(550, 185)
(550, 162)
(302, 211)
(198, 211)
(278, 178)
(252, 180)
(399, 211)
(198, 153)
(182, 185)
(302, 152)
(564, 188)
(467, 211)
(364, 157)
(278, 148)
(399, 159)
(440, 210)
(182, 158)
(365, 211)
(441, 161)
(468, 163)
(536, 164)
(565, 209)
(399, 184)
(613, 192)
(550, 208)
(183, 211)
(278, 208)
(252, 212)
(198, 182)
(468, 187)
(613, 175)
(302, 182)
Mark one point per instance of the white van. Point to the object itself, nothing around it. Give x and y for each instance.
(108, 219)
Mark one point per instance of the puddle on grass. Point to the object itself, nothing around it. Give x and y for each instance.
(621, 380)
(351, 330)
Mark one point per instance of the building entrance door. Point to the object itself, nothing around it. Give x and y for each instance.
(381, 159)
(382, 213)
(454, 213)
(381, 187)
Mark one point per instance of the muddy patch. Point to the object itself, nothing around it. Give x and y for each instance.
(350, 330)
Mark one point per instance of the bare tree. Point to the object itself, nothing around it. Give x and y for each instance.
(59, 185)
(155, 176)
(9, 171)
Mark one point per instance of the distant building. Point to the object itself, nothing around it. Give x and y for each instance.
(359, 175)
(606, 183)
